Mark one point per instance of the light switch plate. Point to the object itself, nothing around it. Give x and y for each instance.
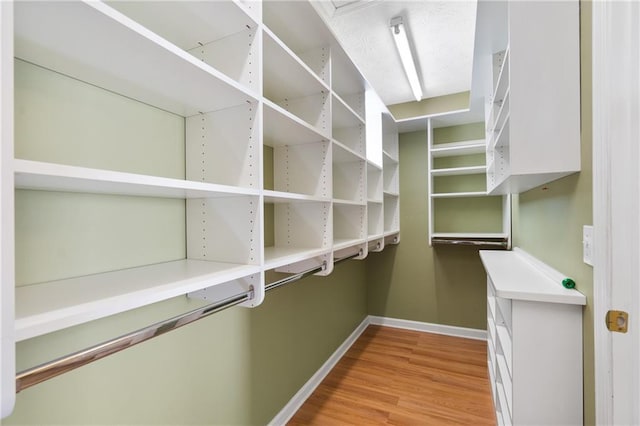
(587, 244)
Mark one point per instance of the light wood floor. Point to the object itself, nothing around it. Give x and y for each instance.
(402, 377)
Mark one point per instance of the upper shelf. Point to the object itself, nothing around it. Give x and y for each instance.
(285, 75)
(455, 171)
(297, 24)
(207, 21)
(459, 148)
(96, 44)
(57, 177)
(344, 115)
(284, 128)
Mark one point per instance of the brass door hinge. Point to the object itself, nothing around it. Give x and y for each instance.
(617, 321)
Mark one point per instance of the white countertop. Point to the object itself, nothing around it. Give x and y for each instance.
(518, 275)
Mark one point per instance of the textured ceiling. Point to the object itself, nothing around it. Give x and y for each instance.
(442, 33)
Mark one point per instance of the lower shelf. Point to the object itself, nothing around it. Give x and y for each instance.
(339, 244)
(51, 306)
(275, 257)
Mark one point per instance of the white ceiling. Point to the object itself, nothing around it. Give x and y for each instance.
(442, 34)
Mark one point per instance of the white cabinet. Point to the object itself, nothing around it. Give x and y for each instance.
(534, 339)
(168, 147)
(533, 109)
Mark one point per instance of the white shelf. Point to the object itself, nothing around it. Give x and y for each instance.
(57, 177)
(343, 202)
(303, 169)
(388, 157)
(505, 343)
(47, 307)
(458, 148)
(200, 22)
(375, 219)
(502, 84)
(374, 184)
(502, 114)
(391, 232)
(297, 24)
(283, 128)
(98, 45)
(459, 194)
(220, 33)
(349, 221)
(347, 127)
(277, 197)
(275, 257)
(507, 384)
(344, 115)
(344, 154)
(457, 171)
(349, 176)
(285, 75)
(343, 243)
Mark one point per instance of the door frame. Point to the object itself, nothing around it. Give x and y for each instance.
(614, 38)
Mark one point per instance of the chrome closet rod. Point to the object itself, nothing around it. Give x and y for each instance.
(56, 367)
(51, 369)
(300, 275)
(469, 242)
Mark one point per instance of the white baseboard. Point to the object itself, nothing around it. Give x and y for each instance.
(449, 330)
(307, 389)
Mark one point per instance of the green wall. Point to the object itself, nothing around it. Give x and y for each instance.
(443, 285)
(548, 220)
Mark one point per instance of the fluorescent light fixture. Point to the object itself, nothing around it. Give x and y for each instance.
(398, 30)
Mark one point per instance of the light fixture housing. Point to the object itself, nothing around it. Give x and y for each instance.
(399, 33)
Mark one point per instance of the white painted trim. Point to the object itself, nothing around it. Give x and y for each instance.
(602, 212)
(307, 389)
(449, 330)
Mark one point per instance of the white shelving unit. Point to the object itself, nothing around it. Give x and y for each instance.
(458, 197)
(534, 338)
(533, 107)
(244, 124)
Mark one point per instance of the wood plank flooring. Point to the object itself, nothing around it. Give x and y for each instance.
(403, 377)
